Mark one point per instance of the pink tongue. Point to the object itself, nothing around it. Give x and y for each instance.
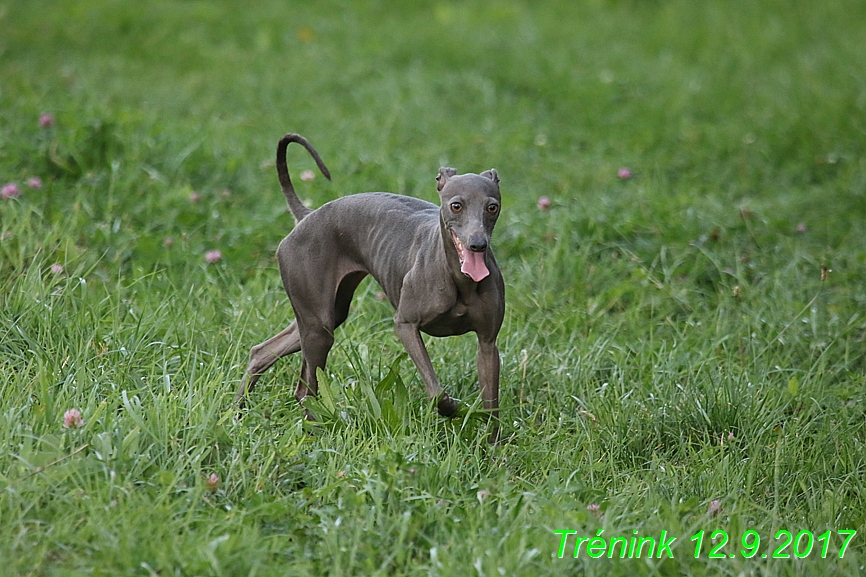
(473, 265)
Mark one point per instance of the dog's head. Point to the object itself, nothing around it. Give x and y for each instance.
(469, 207)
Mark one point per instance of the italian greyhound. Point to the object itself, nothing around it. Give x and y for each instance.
(434, 264)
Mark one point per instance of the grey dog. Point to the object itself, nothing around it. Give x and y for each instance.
(434, 264)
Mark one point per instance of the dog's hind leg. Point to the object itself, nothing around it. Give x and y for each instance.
(318, 342)
(344, 296)
(315, 346)
(263, 355)
(318, 334)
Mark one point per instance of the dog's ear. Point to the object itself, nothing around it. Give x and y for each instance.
(491, 174)
(444, 174)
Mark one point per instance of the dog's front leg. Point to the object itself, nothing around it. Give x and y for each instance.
(410, 336)
(488, 380)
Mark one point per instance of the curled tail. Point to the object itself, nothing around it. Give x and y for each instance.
(295, 205)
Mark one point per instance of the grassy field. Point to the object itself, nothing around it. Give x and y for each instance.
(684, 349)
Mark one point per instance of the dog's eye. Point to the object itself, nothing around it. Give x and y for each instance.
(456, 206)
(492, 208)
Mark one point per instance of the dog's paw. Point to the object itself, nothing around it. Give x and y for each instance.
(447, 406)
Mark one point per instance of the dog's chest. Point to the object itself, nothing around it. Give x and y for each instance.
(455, 321)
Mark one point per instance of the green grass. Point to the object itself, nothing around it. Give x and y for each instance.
(669, 340)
